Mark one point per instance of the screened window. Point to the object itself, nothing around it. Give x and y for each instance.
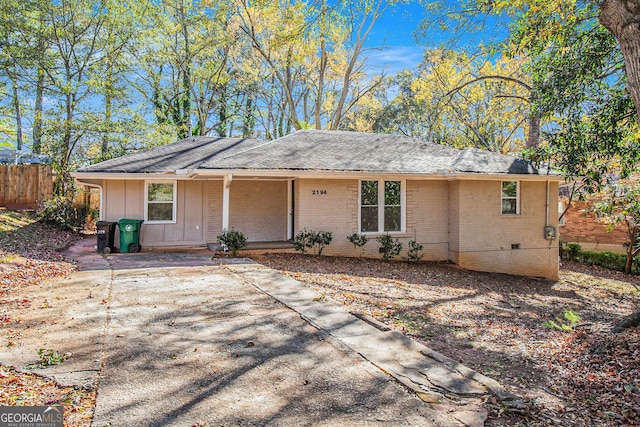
(510, 198)
(161, 205)
(380, 206)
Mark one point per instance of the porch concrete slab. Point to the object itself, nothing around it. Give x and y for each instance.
(410, 362)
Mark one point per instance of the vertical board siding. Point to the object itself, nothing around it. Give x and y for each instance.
(25, 185)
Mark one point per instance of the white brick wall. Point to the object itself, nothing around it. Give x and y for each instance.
(259, 209)
(485, 236)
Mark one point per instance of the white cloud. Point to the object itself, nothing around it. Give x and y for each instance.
(394, 59)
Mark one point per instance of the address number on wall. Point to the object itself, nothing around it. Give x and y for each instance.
(318, 192)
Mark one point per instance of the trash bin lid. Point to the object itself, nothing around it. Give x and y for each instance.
(130, 221)
(130, 224)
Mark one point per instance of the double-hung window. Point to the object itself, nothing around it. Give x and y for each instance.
(160, 205)
(510, 198)
(381, 206)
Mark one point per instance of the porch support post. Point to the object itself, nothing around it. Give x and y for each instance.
(289, 210)
(225, 201)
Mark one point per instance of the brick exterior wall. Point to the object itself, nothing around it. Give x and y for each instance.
(458, 220)
(328, 205)
(580, 226)
(514, 244)
(259, 209)
(332, 205)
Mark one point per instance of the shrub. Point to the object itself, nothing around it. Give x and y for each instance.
(608, 260)
(414, 253)
(322, 239)
(358, 241)
(60, 211)
(571, 252)
(233, 240)
(303, 240)
(389, 247)
(308, 238)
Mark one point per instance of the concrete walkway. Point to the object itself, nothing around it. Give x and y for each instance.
(172, 338)
(435, 378)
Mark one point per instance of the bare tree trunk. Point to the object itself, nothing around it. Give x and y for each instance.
(18, 112)
(360, 37)
(534, 131)
(632, 250)
(284, 79)
(622, 19)
(107, 110)
(322, 70)
(627, 322)
(37, 113)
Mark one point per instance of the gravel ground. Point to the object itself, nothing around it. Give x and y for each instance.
(501, 326)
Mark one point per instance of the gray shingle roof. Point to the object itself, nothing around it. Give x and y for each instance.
(323, 150)
(315, 150)
(185, 154)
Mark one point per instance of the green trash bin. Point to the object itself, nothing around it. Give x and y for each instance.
(130, 235)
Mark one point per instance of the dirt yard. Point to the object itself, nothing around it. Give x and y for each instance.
(546, 342)
(29, 255)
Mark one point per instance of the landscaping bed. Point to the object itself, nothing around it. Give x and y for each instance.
(547, 342)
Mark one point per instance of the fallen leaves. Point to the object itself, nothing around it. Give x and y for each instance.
(495, 324)
(29, 256)
(20, 389)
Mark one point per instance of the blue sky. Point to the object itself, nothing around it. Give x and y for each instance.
(396, 31)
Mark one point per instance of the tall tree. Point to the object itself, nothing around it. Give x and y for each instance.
(622, 19)
(315, 53)
(73, 31)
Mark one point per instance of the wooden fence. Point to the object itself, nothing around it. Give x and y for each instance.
(23, 186)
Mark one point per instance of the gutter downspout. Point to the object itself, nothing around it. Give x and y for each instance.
(225, 201)
(547, 215)
(99, 187)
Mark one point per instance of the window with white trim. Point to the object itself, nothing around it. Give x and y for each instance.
(510, 197)
(381, 206)
(160, 206)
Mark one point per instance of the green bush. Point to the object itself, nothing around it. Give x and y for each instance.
(608, 260)
(233, 240)
(389, 247)
(60, 211)
(303, 240)
(307, 239)
(322, 239)
(358, 241)
(572, 252)
(415, 251)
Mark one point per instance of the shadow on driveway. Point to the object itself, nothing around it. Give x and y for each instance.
(188, 343)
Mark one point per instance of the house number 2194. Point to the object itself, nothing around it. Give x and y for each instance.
(318, 192)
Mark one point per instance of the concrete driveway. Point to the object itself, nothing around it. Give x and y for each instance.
(176, 339)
